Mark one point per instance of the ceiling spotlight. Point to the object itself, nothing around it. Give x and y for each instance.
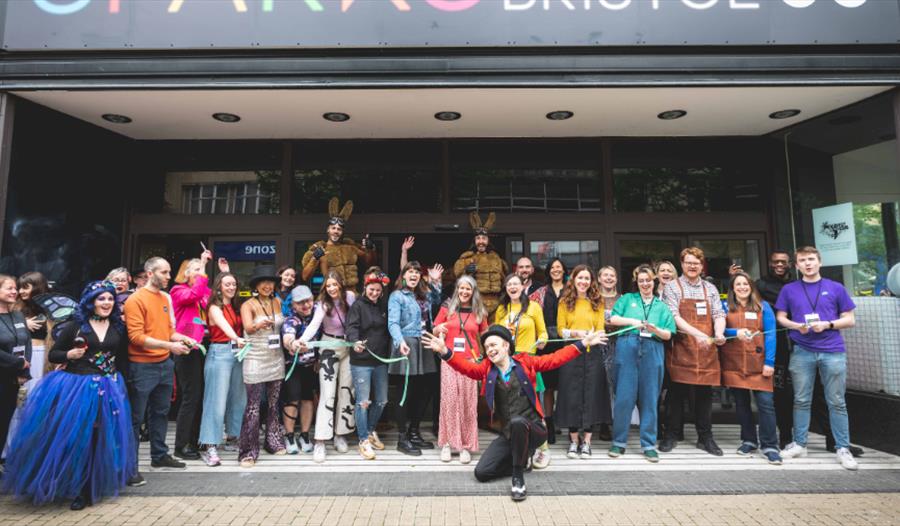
(784, 114)
(447, 116)
(560, 115)
(226, 117)
(671, 115)
(336, 116)
(115, 118)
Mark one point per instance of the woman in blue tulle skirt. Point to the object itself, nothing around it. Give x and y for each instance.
(76, 440)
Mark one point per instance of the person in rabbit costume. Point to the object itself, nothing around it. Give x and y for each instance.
(483, 263)
(337, 253)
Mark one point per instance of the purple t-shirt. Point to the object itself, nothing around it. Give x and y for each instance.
(826, 298)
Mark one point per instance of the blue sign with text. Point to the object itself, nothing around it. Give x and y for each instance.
(245, 250)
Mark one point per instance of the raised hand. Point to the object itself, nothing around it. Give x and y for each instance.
(223, 265)
(408, 243)
(435, 273)
(434, 342)
(595, 338)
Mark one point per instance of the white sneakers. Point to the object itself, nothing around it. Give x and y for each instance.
(793, 450)
(319, 452)
(846, 459)
(366, 451)
(541, 459)
(465, 457)
(340, 444)
(446, 453)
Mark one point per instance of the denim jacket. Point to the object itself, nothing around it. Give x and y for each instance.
(404, 315)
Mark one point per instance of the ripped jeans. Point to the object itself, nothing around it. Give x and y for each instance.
(370, 382)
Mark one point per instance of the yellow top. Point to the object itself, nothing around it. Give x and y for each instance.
(527, 328)
(583, 318)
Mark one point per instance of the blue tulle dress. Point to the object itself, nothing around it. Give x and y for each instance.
(76, 437)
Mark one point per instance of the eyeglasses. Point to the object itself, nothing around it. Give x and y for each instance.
(692, 263)
(781, 262)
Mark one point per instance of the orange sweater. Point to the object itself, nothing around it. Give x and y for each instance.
(148, 314)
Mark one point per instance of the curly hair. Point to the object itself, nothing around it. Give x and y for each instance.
(570, 294)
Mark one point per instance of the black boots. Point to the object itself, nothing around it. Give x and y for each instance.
(416, 438)
(518, 491)
(551, 430)
(405, 446)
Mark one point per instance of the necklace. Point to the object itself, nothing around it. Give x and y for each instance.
(96, 317)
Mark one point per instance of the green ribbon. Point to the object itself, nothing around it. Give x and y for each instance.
(202, 348)
(395, 360)
(560, 340)
(243, 352)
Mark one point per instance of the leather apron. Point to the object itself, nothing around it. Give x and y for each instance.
(743, 360)
(687, 363)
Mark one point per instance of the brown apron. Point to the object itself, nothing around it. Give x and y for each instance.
(743, 360)
(687, 363)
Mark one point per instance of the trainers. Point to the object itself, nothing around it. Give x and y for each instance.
(211, 457)
(616, 451)
(541, 459)
(167, 462)
(446, 453)
(366, 451)
(137, 481)
(290, 444)
(340, 444)
(651, 455)
(465, 457)
(746, 449)
(794, 450)
(773, 458)
(319, 452)
(846, 459)
(518, 488)
(231, 445)
(573, 450)
(305, 444)
(375, 441)
(585, 452)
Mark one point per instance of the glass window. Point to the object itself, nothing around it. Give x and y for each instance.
(571, 252)
(722, 253)
(243, 257)
(526, 176)
(634, 252)
(870, 274)
(686, 176)
(245, 193)
(378, 176)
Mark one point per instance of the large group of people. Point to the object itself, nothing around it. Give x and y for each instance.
(571, 354)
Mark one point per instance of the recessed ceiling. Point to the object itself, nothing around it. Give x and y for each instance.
(407, 113)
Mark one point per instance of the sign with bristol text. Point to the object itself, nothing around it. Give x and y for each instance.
(835, 235)
(236, 24)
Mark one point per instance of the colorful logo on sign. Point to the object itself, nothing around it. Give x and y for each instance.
(68, 7)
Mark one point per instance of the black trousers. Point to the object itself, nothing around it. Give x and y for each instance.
(702, 397)
(418, 397)
(506, 453)
(9, 394)
(189, 386)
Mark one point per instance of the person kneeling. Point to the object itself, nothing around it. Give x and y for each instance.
(508, 386)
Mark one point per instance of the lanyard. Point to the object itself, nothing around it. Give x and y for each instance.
(647, 308)
(11, 327)
(462, 329)
(270, 315)
(516, 321)
(818, 294)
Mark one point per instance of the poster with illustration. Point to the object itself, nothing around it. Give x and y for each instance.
(835, 234)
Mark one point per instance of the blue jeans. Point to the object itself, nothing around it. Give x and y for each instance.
(638, 372)
(224, 395)
(832, 366)
(765, 403)
(369, 380)
(150, 389)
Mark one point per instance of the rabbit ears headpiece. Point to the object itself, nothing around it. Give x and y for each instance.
(482, 229)
(339, 216)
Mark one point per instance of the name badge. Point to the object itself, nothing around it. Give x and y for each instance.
(646, 334)
(274, 341)
(19, 325)
(751, 316)
(459, 344)
(19, 351)
(811, 318)
(701, 309)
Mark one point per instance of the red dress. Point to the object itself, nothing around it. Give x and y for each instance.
(459, 394)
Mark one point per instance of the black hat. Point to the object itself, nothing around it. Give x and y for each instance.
(263, 273)
(497, 330)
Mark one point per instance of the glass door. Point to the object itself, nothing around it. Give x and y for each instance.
(634, 250)
(243, 255)
(724, 250)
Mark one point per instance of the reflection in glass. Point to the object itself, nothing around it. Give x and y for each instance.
(678, 189)
(222, 193)
(571, 252)
(634, 252)
(722, 253)
(526, 190)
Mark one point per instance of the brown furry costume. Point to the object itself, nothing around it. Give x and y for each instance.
(340, 257)
(490, 268)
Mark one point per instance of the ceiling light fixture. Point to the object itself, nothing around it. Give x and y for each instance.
(226, 117)
(560, 115)
(671, 115)
(447, 116)
(336, 116)
(784, 114)
(115, 118)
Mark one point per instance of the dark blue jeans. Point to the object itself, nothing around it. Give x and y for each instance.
(638, 372)
(765, 403)
(150, 389)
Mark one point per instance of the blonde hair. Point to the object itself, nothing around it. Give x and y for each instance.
(182, 276)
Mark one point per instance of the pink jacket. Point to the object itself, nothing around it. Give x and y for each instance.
(190, 303)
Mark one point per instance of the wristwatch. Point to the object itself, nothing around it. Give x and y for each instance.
(831, 325)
